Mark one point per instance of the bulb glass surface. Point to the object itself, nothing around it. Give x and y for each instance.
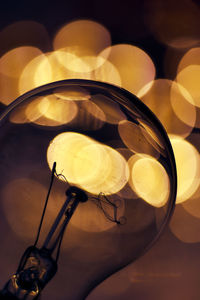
(91, 130)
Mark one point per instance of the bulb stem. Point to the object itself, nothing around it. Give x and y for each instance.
(74, 196)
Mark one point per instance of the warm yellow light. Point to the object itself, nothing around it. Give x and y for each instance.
(183, 104)
(107, 72)
(73, 63)
(36, 73)
(83, 161)
(191, 57)
(134, 137)
(13, 62)
(82, 38)
(149, 180)
(189, 79)
(167, 100)
(72, 93)
(135, 67)
(45, 111)
(11, 67)
(112, 110)
(188, 168)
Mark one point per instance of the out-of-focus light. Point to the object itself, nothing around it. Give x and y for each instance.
(113, 112)
(83, 160)
(36, 73)
(134, 137)
(191, 57)
(8, 92)
(46, 111)
(135, 67)
(184, 226)
(166, 99)
(75, 93)
(149, 179)
(26, 33)
(188, 168)
(189, 79)
(82, 38)
(192, 206)
(13, 62)
(183, 104)
(73, 63)
(163, 19)
(107, 72)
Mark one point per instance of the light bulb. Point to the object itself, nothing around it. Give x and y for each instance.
(96, 140)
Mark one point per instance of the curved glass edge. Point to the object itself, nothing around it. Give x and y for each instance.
(128, 100)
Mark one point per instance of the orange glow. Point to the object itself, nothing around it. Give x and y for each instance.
(163, 19)
(36, 73)
(112, 110)
(13, 62)
(71, 64)
(189, 79)
(191, 57)
(134, 137)
(51, 111)
(45, 111)
(82, 38)
(188, 168)
(89, 116)
(192, 206)
(72, 93)
(89, 217)
(184, 226)
(83, 160)
(8, 92)
(66, 65)
(171, 107)
(149, 179)
(107, 72)
(135, 67)
(183, 108)
(78, 64)
(151, 136)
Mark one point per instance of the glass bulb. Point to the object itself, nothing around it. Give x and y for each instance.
(106, 143)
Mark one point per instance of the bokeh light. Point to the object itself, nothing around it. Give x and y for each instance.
(188, 168)
(135, 67)
(83, 160)
(13, 62)
(85, 37)
(185, 226)
(149, 179)
(191, 57)
(189, 79)
(131, 133)
(167, 101)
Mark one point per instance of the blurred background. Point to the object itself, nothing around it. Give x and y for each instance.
(152, 49)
